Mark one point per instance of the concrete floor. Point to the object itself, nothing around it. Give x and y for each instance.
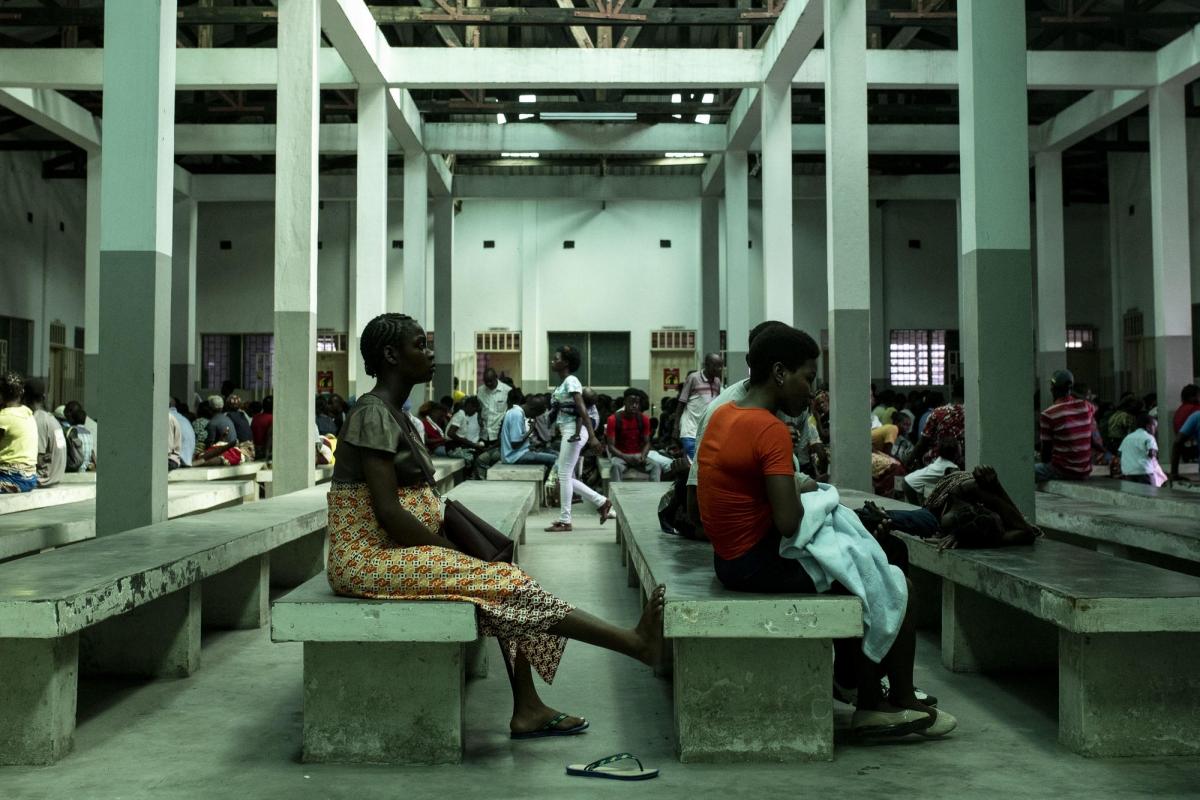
(233, 729)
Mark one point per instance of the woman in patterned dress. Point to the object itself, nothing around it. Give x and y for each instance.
(384, 542)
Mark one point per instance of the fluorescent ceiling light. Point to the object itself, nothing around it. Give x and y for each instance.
(526, 116)
(613, 116)
(676, 98)
(677, 116)
(520, 155)
(527, 98)
(684, 155)
(708, 97)
(501, 119)
(703, 119)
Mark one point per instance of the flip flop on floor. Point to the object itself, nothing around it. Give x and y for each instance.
(551, 729)
(604, 769)
(559, 527)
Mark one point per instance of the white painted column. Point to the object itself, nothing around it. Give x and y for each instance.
(91, 287)
(778, 266)
(710, 275)
(848, 243)
(996, 281)
(1117, 309)
(137, 189)
(184, 372)
(443, 296)
(416, 231)
(535, 362)
(879, 328)
(369, 292)
(1171, 249)
(1051, 267)
(295, 368)
(737, 264)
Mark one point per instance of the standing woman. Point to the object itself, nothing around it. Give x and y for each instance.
(384, 540)
(566, 405)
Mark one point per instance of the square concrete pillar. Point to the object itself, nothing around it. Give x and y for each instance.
(160, 639)
(1130, 694)
(737, 265)
(777, 260)
(37, 699)
(383, 702)
(981, 635)
(443, 296)
(729, 705)
(238, 598)
(292, 564)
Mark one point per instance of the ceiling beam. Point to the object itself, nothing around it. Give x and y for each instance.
(792, 39)
(452, 137)
(1087, 117)
(1179, 60)
(631, 34)
(905, 35)
(448, 35)
(55, 113)
(578, 32)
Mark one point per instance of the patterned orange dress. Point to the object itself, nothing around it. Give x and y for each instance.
(365, 562)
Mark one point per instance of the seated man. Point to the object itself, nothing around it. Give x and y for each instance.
(1188, 432)
(81, 444)
(52, 444)
(1139, 454)
(515, 432)
(1068, 434)
(433, 417)
(628, 440)
(918, 484)
(220, 425)
(18, 438)
(465, 436)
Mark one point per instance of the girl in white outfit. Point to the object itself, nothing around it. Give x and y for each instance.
(576, 428)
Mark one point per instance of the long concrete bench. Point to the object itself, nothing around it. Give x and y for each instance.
(448, 473)
(1127, 494)
(58, 495)
(384, 679)
(1116, 530)
(133, 604)
(31, 531)
(1125, 637)
(266, 478)
(533, 474)
(752, 673)
(247, 469)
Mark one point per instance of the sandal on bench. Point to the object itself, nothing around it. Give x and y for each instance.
(604, 769)
(551, 729)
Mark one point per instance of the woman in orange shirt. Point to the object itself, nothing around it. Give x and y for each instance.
(747, 496)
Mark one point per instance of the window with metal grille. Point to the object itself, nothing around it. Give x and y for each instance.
(58, 334)
(17, 338)
(214, 358)
(604, 356)
(917, 357)
(258, 353)
(673, 340)
(1081, 337)
(498, 341)
(329, 342)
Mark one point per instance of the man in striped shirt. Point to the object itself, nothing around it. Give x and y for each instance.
(1068, 433)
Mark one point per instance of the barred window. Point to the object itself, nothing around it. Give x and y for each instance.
(917, 357)
(1081, 337)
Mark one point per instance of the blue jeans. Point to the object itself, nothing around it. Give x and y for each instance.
(1045, 472)
(533, 457)
(919, 522)
(689, 446)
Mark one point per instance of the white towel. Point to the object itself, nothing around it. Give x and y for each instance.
(832, 545)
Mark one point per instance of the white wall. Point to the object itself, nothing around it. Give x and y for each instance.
(41, 267)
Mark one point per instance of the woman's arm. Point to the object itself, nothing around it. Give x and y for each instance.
(401, 527)
(584, 419)
(786, 511)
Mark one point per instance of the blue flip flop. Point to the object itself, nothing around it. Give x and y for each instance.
(604, 769)
(551, 729)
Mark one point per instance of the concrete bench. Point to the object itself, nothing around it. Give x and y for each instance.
(1126, 636)
(384, 679)
(266, 478)
(133, 604)
(448, 472)
(1128, 495)
(31, 531)
(534, 474)
(184, 474)
(58, 495)
(1116, 530)
(733, 652)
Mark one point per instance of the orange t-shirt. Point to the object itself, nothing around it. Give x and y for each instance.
(740, 448)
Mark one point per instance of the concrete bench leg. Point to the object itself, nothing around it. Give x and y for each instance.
(238, 598)
(294, 563)
(1131, 694)
(37, 699)
(980, 634)
(357, 709)
(160, 639)
(476, 654)
(929, 599)
(729, 706)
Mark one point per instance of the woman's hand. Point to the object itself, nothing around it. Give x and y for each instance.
(597, 447)
(948, 542)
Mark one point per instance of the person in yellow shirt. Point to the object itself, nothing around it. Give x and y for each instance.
(18, 438)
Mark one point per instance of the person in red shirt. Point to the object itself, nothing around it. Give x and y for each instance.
(748, 500)
(628, 435)
(945, 422)
(1189, 400)
(260, 427)
(1068, 434)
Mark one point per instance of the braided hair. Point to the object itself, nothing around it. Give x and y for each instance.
(386, 330)
(12, 386)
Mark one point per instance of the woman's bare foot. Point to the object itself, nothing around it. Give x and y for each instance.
(649, 630)
(528, 720)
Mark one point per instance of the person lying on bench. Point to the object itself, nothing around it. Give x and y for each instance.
(385, 542)
(18, 438)
(748, 496)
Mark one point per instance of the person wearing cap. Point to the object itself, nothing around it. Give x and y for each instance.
(220, 426)
(1068, 434)
(52, 443)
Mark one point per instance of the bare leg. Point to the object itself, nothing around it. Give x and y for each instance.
(529, 712)
(898, 665)
(643, 642)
